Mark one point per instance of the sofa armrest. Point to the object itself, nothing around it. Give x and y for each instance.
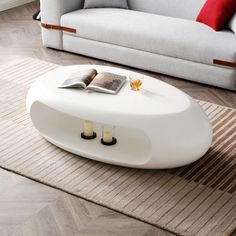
(51, 12)
(232, 23)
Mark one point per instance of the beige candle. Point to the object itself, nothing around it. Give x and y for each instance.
(88, 128)
(107, 136)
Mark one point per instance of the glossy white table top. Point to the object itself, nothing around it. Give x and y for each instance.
(155, 97)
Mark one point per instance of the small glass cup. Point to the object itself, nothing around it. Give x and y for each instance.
(136, 82)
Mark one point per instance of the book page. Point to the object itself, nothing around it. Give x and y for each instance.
(79, 79)
(107, 82)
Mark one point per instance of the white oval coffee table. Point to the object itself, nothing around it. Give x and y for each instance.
(157, 127)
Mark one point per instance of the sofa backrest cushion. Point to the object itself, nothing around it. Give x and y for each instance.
(105, 4)
(185, 9)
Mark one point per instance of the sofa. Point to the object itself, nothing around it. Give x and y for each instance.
(156, 35)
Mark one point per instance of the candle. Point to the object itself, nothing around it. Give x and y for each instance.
(107, 136)
(88, 128)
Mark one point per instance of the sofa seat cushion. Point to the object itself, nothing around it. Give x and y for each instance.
(157, 34)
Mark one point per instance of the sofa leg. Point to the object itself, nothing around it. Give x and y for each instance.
(37, 16)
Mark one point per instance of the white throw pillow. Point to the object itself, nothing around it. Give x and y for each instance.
(232, 23)
(106, 4)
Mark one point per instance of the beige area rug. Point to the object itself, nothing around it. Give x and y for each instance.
(198, 199)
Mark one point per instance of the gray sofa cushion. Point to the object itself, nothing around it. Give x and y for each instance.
(161, 35)
(232, 23)
(105, 4)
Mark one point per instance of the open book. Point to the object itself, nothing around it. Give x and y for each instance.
(90, 79)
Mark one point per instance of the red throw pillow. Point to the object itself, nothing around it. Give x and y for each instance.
(216, 13)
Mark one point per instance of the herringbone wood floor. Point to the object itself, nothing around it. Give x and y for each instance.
(30, 208)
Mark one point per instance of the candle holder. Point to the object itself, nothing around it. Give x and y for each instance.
(108, 134)
(83, 136)
(88, 132)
